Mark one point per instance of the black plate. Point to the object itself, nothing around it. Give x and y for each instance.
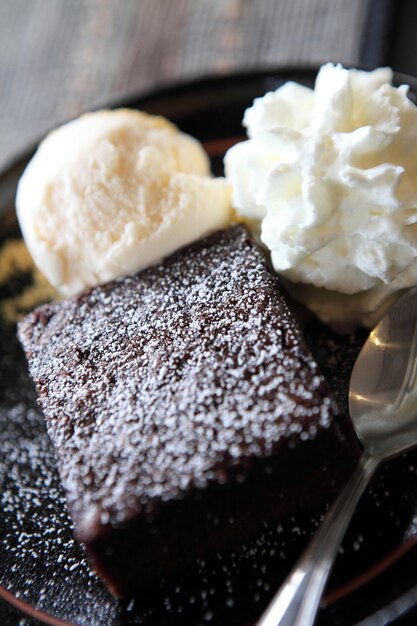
(42, 570)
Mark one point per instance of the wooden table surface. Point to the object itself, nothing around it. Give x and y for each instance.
(61, 57)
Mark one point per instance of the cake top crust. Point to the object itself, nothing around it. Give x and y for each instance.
(183, 375)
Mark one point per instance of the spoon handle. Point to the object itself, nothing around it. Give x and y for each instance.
(296, 603)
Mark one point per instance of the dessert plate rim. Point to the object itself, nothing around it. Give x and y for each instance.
(183, 87)
(9, 174)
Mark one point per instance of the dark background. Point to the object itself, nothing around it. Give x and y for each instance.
(61, 57)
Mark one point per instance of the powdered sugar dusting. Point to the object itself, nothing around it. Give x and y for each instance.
(167, 381)
(41, 563)
(35, 530)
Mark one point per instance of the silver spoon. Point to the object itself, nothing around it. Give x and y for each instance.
(383, 408)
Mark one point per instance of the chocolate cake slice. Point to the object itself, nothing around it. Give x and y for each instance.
(185, 410)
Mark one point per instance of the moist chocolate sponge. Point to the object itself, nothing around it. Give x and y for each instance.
(184, 408)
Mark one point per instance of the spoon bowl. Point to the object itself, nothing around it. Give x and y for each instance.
(383, 384)
(383, 408)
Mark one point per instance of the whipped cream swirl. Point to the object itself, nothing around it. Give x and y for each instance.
(330, 175)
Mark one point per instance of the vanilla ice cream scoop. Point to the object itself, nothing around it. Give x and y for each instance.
(330, 176)
(113, 192)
